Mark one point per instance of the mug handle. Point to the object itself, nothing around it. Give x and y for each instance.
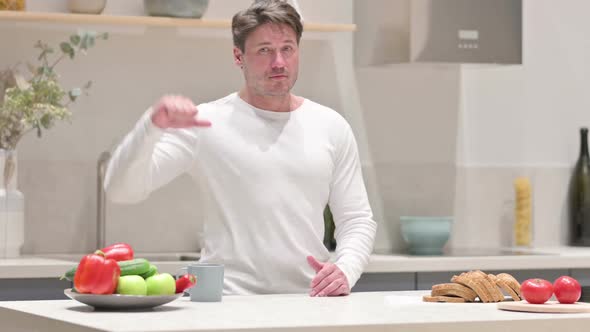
(176, 275)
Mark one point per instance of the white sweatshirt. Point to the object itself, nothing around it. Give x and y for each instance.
(268, 176)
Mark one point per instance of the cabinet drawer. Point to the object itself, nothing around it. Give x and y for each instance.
(33, 289)
(582, 275)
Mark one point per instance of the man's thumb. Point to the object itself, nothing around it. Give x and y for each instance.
(317, 266)
(201, 123)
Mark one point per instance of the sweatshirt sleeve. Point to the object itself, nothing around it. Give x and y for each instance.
(148, 158)
(353, 218)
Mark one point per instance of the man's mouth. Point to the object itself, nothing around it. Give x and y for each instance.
(278, 77)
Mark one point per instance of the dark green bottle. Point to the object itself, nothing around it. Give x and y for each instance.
(579, 196)
(329, 228)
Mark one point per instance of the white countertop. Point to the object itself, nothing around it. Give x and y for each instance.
(375, 311)
(50, 266)
(540, 258)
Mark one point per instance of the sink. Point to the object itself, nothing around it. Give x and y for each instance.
(152, 257)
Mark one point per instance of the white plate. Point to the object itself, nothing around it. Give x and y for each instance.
(118, 301)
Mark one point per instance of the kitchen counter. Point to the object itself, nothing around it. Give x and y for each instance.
(527, 259)
(55, 265)
(49, 266)
(373, 311)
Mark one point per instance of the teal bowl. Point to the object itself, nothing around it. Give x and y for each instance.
(176, 8)
(426, 235)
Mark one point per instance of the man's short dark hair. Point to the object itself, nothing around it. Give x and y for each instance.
(263, 12)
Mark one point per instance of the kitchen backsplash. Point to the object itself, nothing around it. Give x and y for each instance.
(484, 205)
(61, 207)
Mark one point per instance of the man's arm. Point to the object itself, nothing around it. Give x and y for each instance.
(355, 227)
(156, 151)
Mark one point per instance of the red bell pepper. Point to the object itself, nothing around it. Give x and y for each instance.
(118, 252)
(185, 282)
(96, 274)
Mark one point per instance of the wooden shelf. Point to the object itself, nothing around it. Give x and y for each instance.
(152, 21)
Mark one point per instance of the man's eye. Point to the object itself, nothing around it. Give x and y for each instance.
(264, 50)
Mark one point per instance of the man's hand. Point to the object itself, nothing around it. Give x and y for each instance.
(176, 112)
(329, 279)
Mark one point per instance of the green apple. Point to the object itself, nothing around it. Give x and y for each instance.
(161, 284)
(131, 285)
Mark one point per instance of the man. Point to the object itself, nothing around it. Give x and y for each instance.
(270, 161)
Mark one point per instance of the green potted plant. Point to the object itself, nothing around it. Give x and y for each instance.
(32, 100)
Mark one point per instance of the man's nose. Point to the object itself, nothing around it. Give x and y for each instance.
(278, 61)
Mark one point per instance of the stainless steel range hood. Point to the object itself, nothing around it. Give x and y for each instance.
(466, 31)
(434, 31)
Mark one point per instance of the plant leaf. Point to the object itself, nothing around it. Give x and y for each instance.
(44, 70)
(67, 49)
(45, 121)
(84, 41)
(75, 39)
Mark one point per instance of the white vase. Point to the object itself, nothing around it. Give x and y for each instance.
(12, 206)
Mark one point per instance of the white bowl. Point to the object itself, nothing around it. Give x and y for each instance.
(86, 6)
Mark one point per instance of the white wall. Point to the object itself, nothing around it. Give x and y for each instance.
(525, 120)
(411, 112)
(540, 105)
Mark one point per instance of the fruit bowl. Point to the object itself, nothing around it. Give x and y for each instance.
(121, 302)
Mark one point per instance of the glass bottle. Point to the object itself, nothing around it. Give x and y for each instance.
(579, 196)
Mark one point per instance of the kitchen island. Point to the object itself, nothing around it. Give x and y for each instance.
(36, 277)
(371, 311)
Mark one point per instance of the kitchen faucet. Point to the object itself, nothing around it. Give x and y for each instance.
(103, 161)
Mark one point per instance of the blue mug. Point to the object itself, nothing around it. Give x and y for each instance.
(209, 286)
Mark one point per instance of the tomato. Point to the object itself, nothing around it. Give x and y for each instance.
(567, 289)
(536, 291)
(185, 282)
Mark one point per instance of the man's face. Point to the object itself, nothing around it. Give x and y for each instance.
(270, 60)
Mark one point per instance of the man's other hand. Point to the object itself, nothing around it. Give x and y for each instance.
(176, 112)
(329, 279)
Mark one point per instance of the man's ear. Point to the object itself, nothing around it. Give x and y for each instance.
(238, 57)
